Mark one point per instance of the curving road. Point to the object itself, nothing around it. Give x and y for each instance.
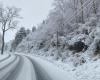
(23, 67)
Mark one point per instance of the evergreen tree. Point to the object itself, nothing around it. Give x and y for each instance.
(33, 28)
(21, 34)
(28, 31)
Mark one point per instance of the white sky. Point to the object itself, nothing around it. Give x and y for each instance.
(33, 12)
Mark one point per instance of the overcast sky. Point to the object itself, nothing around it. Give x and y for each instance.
(33, 12)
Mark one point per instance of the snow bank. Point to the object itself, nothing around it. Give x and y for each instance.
(7, 61)
(63, 71)
(2, 57)
(54, 72)
(6, 69)
(88, 71)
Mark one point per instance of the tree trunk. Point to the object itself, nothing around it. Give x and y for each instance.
(75, 10)
(82, 13)
(94, 7)
(3, 43)
(57, 45)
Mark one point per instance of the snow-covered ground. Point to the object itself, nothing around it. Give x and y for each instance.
(7, 66)
(51, 70)
(27, 71)
(2, 57)
(87, 71)
(31, 67)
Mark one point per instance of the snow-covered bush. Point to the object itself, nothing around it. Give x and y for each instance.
(20, 35)
(92, 22)
(0, 41)
(78, 46)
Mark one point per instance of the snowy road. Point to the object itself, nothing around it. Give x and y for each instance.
(21, 67)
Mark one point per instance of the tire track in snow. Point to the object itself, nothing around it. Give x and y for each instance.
(24, 70)
(6, 70)
(8, 64)
(17, 69)
(40, 72)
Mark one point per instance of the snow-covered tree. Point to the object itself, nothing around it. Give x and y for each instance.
(28, 31)
(33, 28)
(8, 20)
(20, 35)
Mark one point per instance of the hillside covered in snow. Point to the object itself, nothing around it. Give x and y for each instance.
(71, 32)
(66, 45)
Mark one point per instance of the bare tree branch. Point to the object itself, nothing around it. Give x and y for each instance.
(8, 20)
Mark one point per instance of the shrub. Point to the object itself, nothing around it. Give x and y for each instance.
(97, 51)
(78, 46)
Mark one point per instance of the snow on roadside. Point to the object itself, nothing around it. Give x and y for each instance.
(59, 63)
(87, 71)
(54, 72)
(3, 56)
(4, 73)
(7, 61)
